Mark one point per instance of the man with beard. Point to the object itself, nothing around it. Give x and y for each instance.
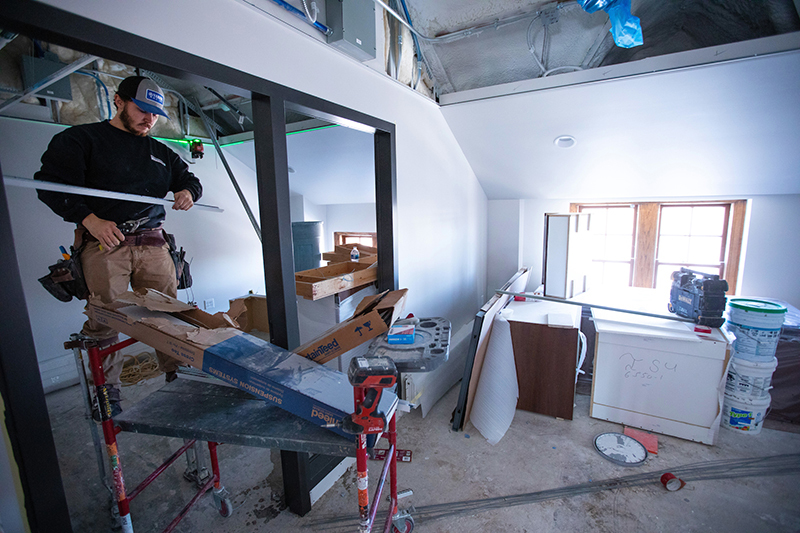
(120, 242)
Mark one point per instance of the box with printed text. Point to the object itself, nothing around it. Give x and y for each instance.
(213, 344)
(372, 317)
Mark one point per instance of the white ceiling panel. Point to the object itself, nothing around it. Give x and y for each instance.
(725, 129)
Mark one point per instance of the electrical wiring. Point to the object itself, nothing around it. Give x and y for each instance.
(420, 57)
(312, 19)
(99, 84)
(565, 67)
(531, 47)
(138, 368)
(542, 63)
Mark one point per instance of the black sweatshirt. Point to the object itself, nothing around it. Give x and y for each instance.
(101, 156)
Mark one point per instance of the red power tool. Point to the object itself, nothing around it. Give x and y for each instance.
(373, 374)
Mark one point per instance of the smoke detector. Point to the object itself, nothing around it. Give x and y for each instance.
(565, 141)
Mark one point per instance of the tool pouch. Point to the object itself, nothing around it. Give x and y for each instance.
(182, 271)
(65, 279)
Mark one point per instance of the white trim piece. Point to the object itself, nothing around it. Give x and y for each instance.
(328, 481)
(85, 191)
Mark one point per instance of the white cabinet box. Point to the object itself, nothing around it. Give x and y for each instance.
(658, 375)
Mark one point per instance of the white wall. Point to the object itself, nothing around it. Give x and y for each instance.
(505, 242)
(441, 208)
(772, 256)
(348, 217)
(516, 239)
(223, 247)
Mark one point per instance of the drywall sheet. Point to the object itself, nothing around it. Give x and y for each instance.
(497, 391)
(492, 307)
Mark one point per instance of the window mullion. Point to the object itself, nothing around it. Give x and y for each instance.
(735, 244)
(645, 252)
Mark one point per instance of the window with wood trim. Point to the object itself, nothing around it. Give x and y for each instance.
(640, 244)
(341, 238)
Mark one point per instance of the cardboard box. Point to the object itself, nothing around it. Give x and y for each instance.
(212, 344)
(401, 334)
(332, 279)
(373, 317)
(250, 311)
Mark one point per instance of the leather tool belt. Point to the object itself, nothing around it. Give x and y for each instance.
(145, 237)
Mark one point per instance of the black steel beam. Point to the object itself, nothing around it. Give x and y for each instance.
(386, 208)
(272, 174)
(53, 25)
(26, 418)
(48, 23)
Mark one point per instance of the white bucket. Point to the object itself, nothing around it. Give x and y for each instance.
(757, 327)
(741, 414)
(749, 379)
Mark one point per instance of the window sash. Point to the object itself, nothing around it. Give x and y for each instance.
(646, 237)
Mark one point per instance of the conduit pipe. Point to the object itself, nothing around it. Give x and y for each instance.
(213, 136)
(47, 81)
(191, 105)
(499, 23)
(6, 37)
(294, 11)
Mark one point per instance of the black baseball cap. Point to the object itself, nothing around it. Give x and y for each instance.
(145, 93)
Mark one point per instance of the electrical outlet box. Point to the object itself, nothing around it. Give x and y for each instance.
(353, 25)
(208, 303)
(35, 69)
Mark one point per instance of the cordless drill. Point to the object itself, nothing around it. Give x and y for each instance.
(373, 374)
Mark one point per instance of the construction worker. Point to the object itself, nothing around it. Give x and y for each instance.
(121, 243)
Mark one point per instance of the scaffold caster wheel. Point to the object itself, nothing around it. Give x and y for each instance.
(404, 524)
(223, 503)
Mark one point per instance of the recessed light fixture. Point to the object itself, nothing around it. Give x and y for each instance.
(565, 141)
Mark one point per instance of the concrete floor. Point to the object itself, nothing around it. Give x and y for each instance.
(538, 453)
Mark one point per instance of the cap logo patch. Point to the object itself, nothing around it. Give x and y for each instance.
(153, 96)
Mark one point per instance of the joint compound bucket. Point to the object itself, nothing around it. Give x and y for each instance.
(741, 414)
(757, 327)
(750, 379)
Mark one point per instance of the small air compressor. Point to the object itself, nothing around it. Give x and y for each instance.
(698, 296)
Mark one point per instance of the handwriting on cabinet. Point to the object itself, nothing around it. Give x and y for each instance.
(646, 370)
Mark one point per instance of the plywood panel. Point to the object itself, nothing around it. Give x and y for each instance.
(545, 358)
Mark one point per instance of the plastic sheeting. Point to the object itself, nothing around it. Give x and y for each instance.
(498, 390)
(625, 28)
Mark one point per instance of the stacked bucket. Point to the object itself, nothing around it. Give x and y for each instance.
(756, 324)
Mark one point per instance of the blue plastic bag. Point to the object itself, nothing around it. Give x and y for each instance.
(625, 28)
(592, 6)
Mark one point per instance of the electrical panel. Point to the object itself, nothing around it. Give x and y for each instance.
(35, 69)
(353, 25)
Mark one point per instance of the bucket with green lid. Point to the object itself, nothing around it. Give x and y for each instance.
(757, 327)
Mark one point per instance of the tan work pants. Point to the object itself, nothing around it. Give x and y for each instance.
(108, 274)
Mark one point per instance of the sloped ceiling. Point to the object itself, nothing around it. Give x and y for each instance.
(726, 129)
(722, 128)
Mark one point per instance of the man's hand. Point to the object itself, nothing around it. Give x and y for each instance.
(103, 230)
(183, 200)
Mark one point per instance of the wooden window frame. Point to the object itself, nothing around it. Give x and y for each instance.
(339, 237)
(720, 267)
(647, 231)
